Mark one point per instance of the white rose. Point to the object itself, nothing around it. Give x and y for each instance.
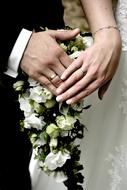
(65, 122)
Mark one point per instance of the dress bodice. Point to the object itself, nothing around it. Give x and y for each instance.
(121, 16)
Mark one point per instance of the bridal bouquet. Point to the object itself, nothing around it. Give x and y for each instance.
(53, 128)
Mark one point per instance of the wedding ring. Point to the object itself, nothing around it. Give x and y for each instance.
(83, 72)
(52, 76)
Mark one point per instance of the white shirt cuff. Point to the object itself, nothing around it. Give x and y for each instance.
(17, 52)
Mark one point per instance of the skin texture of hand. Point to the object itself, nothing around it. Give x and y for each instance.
(93, 69)
(44, 58)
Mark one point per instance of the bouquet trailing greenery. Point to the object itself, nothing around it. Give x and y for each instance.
(54, 128)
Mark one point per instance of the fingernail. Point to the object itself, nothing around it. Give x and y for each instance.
(68, 101)
(58, 98)
(62, 77)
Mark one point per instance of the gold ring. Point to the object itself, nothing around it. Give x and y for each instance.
(83, 72)
(52, 76)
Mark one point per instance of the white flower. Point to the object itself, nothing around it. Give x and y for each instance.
(25, 106)
(88, 41)
(65, 122)
(78, 106)
(33, 121)
(55, 160)
(40, 141)
(32, 82)
(36, 94)
(75, 54)
(47, 94)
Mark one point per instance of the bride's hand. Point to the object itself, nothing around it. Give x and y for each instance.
(93, 69)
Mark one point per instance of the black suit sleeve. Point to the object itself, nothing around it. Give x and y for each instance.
(8, 38)
(16, 15)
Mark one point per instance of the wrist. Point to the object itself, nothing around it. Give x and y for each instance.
(104, 28)
(110, 36)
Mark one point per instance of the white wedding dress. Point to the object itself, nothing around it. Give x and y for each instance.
(104, 147)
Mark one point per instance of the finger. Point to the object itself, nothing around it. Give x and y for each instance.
(56, 81)
(76, 64)
(48, 73)
(76, 88)
(52, 77)
(66, 34)
(58, 68)
(102, 90)
(45, 82)
(84, 93)
(76, 76)
(65, 60)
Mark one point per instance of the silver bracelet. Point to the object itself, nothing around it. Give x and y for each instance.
(105, 27)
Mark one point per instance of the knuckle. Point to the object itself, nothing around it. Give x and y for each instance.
(79, 86)
(58, 82)
(65, 85)
(59, 51)
(101, 80)
(47, 83)
(50, 60)
(95, 71)
(87, 91)
(67, 95)
(33, 74)
(75, 77)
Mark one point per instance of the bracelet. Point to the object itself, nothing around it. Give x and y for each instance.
(106, 27)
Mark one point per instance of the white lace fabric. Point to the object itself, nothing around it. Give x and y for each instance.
(121, 16)
(118, 162)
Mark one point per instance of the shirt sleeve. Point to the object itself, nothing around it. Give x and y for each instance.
(17, 52)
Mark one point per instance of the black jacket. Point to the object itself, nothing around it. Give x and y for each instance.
(14, 146)
(28, 14)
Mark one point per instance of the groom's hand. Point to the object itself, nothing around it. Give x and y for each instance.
(44, 60)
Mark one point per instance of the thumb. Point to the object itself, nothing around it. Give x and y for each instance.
(66, 34)
(103, 89)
